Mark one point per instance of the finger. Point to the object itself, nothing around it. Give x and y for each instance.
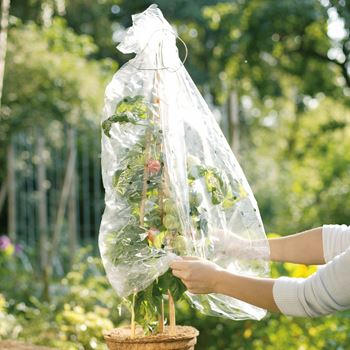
(178, 265)
(175, 264)
(179, 274)
(191, 258)
(195, 291)
(192, 290)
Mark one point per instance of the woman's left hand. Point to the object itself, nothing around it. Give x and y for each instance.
(200, 276)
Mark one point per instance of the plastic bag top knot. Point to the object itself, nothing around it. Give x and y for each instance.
(148, 30)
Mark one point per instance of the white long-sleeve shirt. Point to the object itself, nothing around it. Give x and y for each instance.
(328, 289)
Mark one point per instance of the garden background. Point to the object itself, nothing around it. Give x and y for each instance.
(276, 75)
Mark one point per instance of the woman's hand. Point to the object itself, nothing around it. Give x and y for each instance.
(199, 275)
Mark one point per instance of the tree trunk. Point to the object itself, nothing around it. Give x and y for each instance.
(5, 10)
(3, 193)
(11, 185)
(292, 137)
(234, 122)
(72, 206)
(43, 225)
(66, 189)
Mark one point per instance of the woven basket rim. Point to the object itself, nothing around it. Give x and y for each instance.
(157, 338)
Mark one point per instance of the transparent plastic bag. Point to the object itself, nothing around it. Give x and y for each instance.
(172, 184)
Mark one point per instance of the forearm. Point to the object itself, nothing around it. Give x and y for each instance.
(301, 248)
(253, 290)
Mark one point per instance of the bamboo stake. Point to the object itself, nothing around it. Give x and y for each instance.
(161, 193)
(133, 324)
(142, 208)
(161, 319)
(145, 171)
(160, 147)
(163, 313)
(145, 178)
(172, 317)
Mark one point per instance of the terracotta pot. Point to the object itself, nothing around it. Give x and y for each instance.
(184, 338)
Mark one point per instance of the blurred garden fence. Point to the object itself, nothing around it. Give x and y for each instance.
(53, 194)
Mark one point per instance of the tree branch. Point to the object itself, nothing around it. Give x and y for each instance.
(325, 58)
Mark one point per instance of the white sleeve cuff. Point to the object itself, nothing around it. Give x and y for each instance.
(336, 239)
(285, 294)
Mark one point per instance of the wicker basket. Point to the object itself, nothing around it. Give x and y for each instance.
(184, 338)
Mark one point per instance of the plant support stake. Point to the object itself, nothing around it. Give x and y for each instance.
(171, 313)
(133, 326)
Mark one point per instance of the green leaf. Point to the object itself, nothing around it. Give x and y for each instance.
(129, 110)
(169, 282)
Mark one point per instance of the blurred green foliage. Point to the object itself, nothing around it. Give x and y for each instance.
(50, 81)
(82, 304)
(49, 78)
(314, 161)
